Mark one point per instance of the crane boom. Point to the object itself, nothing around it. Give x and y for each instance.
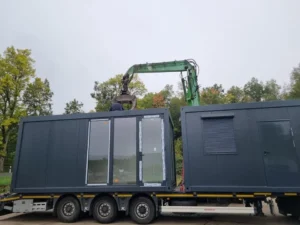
(189, 83)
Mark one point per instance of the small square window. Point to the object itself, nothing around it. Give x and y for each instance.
(218, 136)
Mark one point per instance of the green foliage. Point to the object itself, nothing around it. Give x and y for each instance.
(254, 89)
(234, 95)
(178, 156)
(271, 91)
(16, 70)
(38, 98)
(167, 92)
(295, 83)
(5, 180)
(104, 93)
(73, 107)
(212, 95)
(175, 104)
(146, 102)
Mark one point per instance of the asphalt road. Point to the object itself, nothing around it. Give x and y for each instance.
(47, 218)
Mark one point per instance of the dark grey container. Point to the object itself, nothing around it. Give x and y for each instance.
(122, 151)
(247, 147)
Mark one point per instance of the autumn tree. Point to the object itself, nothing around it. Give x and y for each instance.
(212, 95)
(16, 69)
(73, 107)
(158, 101)
(167, 92)
(37, 98)
(105, 92)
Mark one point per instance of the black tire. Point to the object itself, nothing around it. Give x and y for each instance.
(142, 210)
(105, 210)
(68, 210)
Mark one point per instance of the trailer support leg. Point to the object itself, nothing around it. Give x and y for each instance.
(258, 208)
(271, 206)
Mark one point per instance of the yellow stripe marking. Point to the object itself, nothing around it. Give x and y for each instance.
(9, 199)
(89, 196)
(245, 196)
(290, 194)
(174, 195)
(214, 195)
(37, 196)
(86, 196)
(124, 195)
(262, 193)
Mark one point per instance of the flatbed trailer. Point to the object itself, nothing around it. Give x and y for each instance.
(109, 162)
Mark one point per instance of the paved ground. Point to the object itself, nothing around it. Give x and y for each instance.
(47, 219)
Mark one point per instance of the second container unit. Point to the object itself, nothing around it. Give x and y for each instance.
(251, 147)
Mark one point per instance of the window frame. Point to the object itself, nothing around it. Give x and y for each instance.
(108, 152)
(112, 153)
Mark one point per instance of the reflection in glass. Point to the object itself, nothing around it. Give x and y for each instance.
(124, 169)
(98, 151)
(152, 150)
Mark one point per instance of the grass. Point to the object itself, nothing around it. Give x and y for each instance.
(5, 180)
(4, 183)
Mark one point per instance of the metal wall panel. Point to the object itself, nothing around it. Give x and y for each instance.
(51, 155)
(244, 171)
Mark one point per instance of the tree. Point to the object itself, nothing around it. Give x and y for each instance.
(212, 95)
(234, 95)
(254, 90)
(146, 102)
(178, 156)
(73, 107)
(158, 100)
(175, 104)
(167, 92)
(38, 98)
(104, 93)
(271, 91)
(295, 83)
(16, 69)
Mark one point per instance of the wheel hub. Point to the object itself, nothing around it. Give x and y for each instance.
(69, 209)
(142, 210)
(104, 209)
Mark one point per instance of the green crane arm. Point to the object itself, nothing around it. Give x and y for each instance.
(189, 83)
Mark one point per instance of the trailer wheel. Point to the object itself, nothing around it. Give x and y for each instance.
(142, 210)
(105, 210)
(68, 210)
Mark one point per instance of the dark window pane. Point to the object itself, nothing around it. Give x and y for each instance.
(98, 151)
(124, 169)
(218, 136)
(152, 150)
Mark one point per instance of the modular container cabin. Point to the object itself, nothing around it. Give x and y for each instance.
(122, 151)
(107, 162)
(238, 148)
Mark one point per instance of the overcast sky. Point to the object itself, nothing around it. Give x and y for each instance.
(77, 42)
